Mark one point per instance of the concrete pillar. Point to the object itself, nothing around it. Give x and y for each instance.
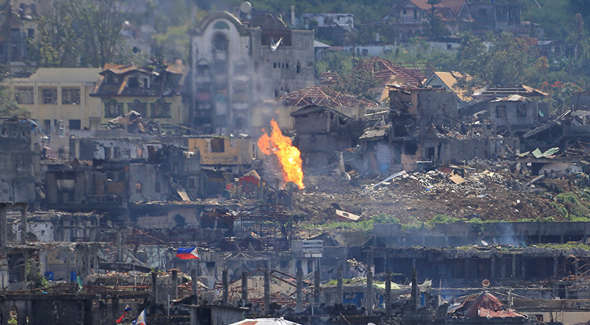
(415, 294)
(369, 293)
(23, 213)
(115, 309)
(33, 271)
(316, 286)
(523, 269)
(388, 294)
(3, 228)
(339, 286)
(154, 287)
(555, 265)
(92, 236)
(267, 291)
(195, 292)
(21, 317)
(88, 312)
(493, 275)
(193, 316)
(225, 284)
(466, 268)
(576, 267)
(5, 313)
(120, 255)
(244, 288)
(175, 284)
(299, 293)
(503, 268)
(195, 285)
(26, 268)
(514, 267)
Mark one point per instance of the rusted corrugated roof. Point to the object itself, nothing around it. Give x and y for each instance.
(503, 91)
(511, 98)
(483, 305)
(383, 70)
(324, 96)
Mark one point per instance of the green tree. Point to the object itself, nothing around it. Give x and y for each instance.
(100, 22)
(81, 33)
(8, 104)
(58, 43)
(506, 62)
(434, 20)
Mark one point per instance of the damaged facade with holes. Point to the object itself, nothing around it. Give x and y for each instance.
(237, 63)
(152, 94)
(19, 161)
(509, 110)
(121, 172)
(423, 125)
(321, 131)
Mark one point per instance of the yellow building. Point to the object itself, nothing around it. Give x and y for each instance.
(221, 151)
(155, 95)
(59, 98)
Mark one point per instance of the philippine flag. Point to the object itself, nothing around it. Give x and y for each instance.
(140, 319)
(187, 253)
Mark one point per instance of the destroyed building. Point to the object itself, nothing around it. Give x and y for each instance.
(19, 161)
(321, 131)
(420, 128)
(512, 110)
(152, 93)
(236, 64)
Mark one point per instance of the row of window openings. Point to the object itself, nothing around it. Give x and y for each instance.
(72, 124)
(49, 96)
(279, 65)
(160, 109)
(192, 184)
(521, 110)
(16, 33)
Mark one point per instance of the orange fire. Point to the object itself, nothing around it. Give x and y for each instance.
(289, 156)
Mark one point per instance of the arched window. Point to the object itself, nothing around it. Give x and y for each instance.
(220, 42)
(139, 107)
(113, 108)
(221, 25)
(161, 109)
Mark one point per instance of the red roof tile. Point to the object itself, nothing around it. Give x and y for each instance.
(484, 305)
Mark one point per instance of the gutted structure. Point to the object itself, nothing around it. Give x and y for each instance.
(19, 162)
(236, 64)
(321, 131)
(152, 94)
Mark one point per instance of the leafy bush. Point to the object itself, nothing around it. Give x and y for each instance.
(441, 218)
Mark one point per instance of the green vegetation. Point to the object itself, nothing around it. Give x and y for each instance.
(573, 205)
(441, 218)
(365, 225)
(477, 225)
(564, 246)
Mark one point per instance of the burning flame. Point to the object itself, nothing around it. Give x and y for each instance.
(289, 156)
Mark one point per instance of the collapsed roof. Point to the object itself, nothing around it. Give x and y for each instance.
(324, 96)
(483, 304)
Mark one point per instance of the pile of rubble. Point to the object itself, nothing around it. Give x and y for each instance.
(488, 192)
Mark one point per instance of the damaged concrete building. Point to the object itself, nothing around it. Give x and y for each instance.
(19, 161)
(236, 64)
(423, 124)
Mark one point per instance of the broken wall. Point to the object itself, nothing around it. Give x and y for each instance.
(147, 182)
(17, 163)
(223, 151)
(520, 114)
